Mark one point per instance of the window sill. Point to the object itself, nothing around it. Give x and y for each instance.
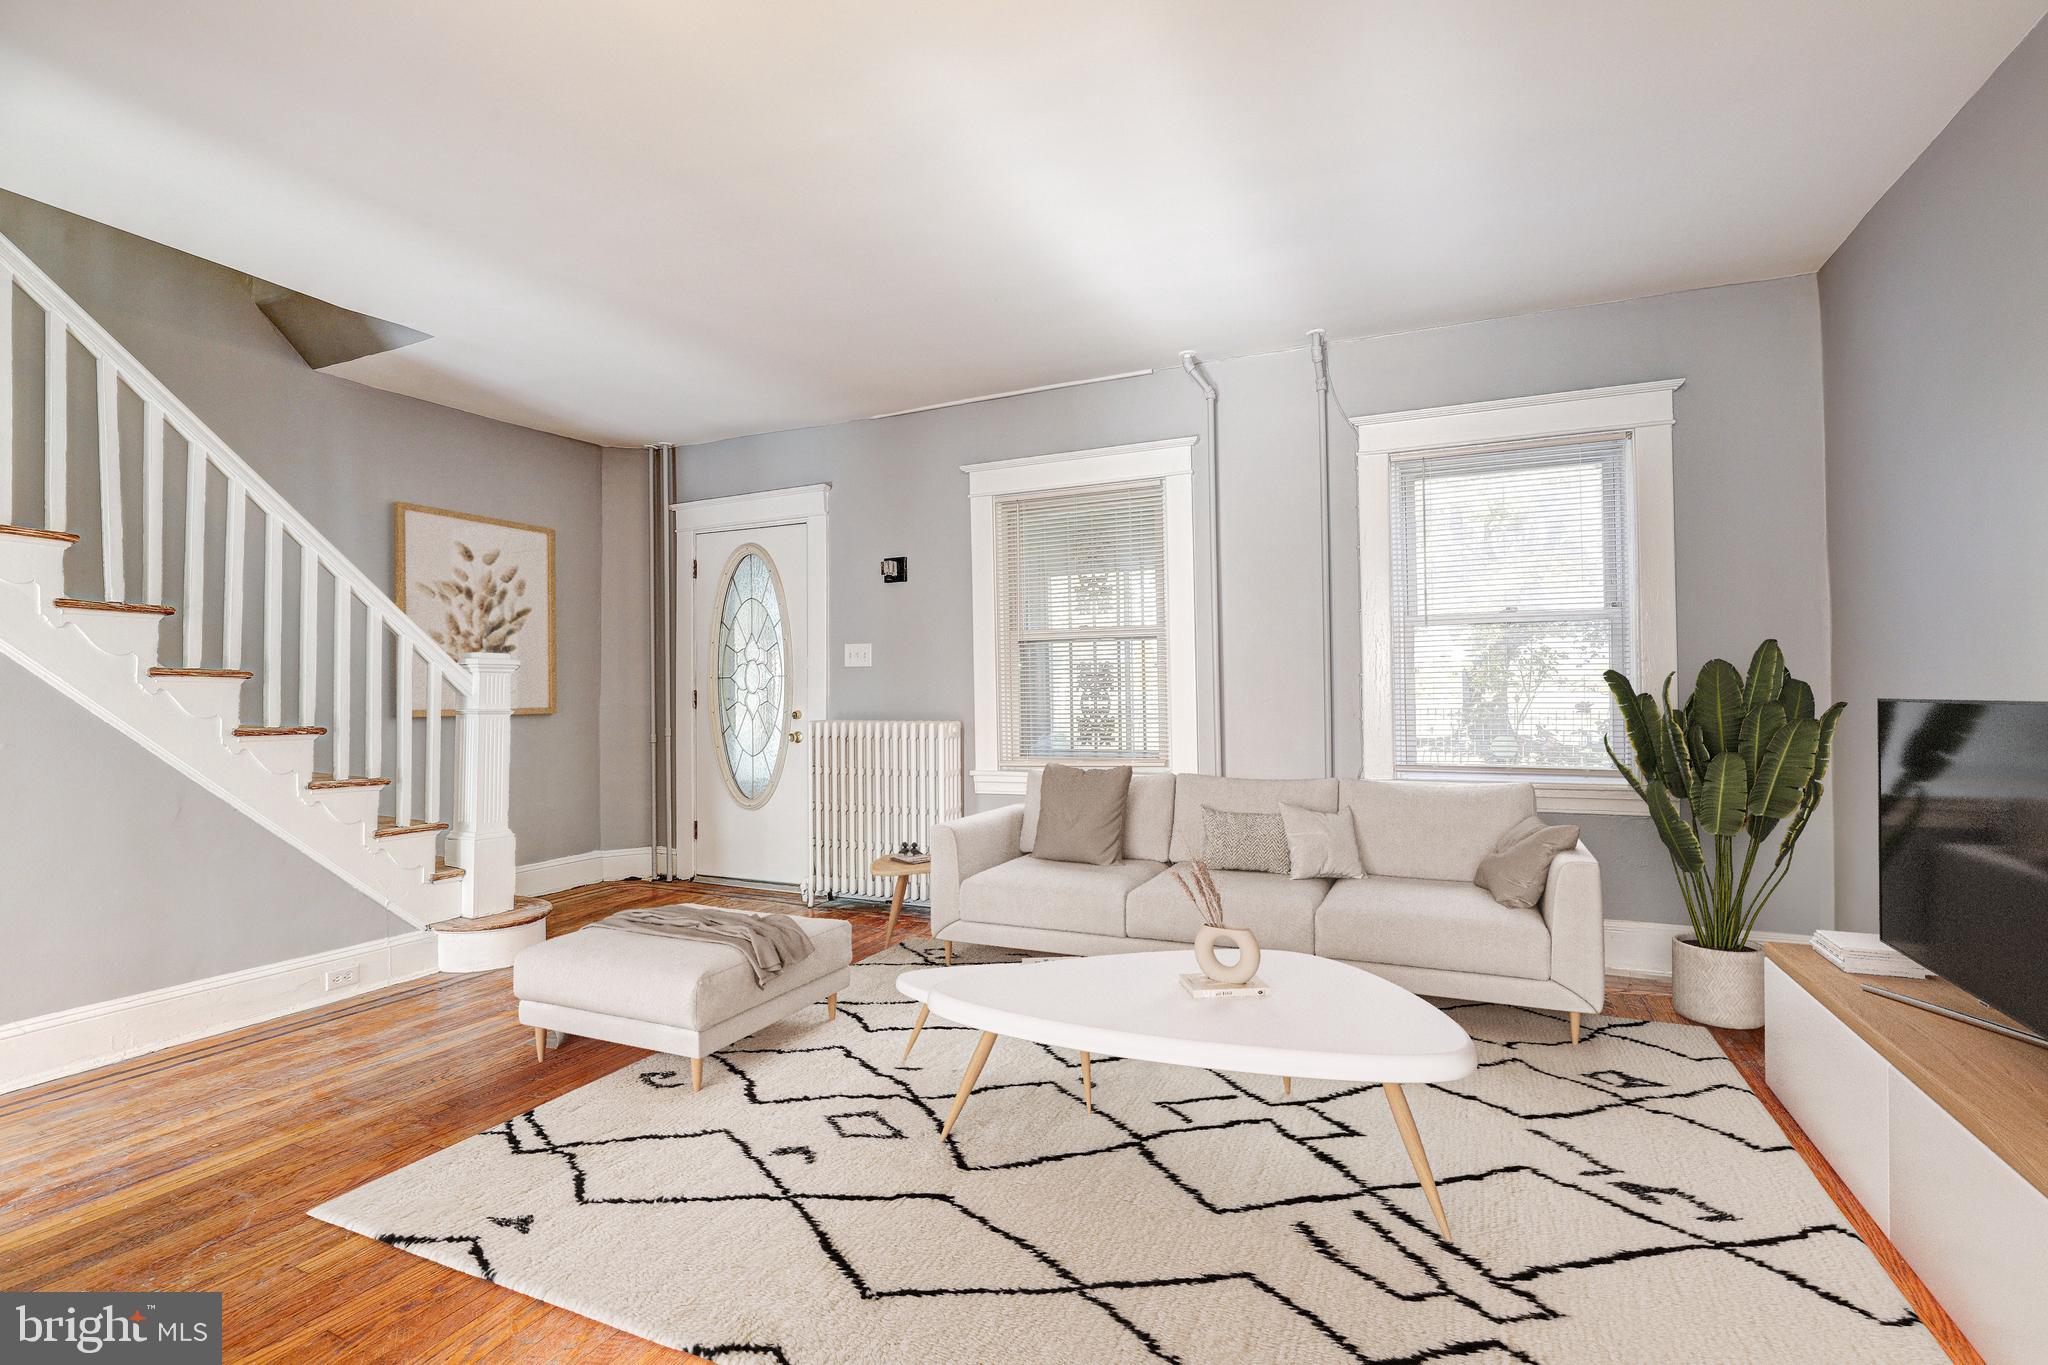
(1000, 781)
(1556, 795)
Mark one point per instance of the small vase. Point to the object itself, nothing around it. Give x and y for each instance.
(1721, 987)
(1244, 969)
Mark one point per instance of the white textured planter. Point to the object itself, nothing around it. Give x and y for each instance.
(1712, 986)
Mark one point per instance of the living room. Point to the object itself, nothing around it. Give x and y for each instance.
(1125, 565)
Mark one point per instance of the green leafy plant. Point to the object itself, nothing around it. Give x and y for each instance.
(1743, 756)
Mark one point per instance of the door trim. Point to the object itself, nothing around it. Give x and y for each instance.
(806, 506)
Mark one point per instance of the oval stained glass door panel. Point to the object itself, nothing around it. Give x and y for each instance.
(749, 654)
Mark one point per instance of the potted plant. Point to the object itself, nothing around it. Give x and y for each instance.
(1744, 756)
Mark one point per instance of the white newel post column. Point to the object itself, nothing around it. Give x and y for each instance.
(482, 838)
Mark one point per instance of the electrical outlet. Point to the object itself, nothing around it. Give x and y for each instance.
(860, 656)
(341, 976)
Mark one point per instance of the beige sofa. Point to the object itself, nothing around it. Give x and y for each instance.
(1416, 918)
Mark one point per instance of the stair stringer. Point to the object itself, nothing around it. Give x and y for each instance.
(115, 687)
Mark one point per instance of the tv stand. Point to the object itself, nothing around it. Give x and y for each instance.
(1978, 1020)
(1939, 1127)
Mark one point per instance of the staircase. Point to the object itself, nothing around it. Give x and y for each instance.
(351, 733)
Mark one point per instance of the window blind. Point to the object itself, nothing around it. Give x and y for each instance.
(1514, 590)
(1081, 621)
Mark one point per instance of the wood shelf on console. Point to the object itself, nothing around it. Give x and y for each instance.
(1996, 1087)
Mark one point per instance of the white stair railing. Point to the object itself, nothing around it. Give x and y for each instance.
(386, 635)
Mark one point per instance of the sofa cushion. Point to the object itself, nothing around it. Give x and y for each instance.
(674, 981)
(1081, 814)
(1320, 843)
(1281, 912)
(1518, 869)
(1033, 893)
(1451, 926)
(1148, 814)
(1244, 841)
(1192, 791)
(1437, 831)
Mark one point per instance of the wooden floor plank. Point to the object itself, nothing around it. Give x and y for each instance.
(193, 1168)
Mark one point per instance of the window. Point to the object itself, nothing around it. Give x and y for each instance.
(1084, 611)
(1081, 597)
(1511, 553)
(1513, 595)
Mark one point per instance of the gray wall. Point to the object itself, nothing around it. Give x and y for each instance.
(1750, 499)
(1935, 316)
(123, 875)
(342, 454)
(624, 708)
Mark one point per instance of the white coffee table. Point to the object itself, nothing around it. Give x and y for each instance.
(1324, 1019)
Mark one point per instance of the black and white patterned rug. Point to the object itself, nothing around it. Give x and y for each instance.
(1626, 1201)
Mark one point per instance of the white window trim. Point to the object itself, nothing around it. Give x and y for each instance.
(1172, 463)
(1644, 413)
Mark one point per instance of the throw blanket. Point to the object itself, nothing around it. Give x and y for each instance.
(767, 942)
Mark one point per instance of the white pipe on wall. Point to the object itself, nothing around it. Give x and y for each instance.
(1319, 357)
(1188, 363)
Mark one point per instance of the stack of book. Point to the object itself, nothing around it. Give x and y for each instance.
(1865, 954)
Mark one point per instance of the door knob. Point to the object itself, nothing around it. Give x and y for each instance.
(796, 736)
(796, 715)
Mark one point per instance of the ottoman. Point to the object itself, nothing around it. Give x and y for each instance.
(670, 994)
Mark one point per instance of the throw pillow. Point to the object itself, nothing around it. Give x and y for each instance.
(1517, 870)
(1320, 843)
(1081, 814)
(1243, 841)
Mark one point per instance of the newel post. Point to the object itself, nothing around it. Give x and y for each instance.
(482, 841)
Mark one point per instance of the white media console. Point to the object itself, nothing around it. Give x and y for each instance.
(1939, 1128)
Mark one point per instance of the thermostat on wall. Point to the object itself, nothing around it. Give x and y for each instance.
(896, 569)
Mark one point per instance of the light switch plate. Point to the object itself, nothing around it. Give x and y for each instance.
(860, 656)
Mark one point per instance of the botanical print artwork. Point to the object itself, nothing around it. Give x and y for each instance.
(480, 585)
(484, 611)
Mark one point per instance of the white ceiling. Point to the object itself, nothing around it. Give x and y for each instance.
(636, 220)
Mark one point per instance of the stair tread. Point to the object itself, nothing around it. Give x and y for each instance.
(135, 608)
(387, 827)
(38, 533)
(266, 731)
(447, 872)
(525, 910)
(200, 673)
(329, 782)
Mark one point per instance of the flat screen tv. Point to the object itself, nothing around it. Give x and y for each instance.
(1963, 846)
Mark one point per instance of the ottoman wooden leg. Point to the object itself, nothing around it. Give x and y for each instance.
(1087, 1083)
(949, 952)
(1287, 1085)
(832, 1005)
(540, 1045)
(924, 1012)
(1575, 1028)
(696, 1073)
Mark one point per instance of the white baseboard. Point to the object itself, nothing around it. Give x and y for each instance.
(52, 1045)
(1638, 947)
(580, 869)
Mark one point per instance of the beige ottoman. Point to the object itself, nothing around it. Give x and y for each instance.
(670, 994)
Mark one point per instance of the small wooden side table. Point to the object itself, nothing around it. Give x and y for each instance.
(888, 865)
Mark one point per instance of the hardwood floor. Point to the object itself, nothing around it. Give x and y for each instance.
(193, 1168)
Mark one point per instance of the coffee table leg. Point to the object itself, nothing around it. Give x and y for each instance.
(1087, 1083)
(924, 1012)
(1412, 1140)
(895, 909)
(949, 952)
(974, 1064)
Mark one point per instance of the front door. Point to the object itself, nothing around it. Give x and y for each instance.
(752, 775)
